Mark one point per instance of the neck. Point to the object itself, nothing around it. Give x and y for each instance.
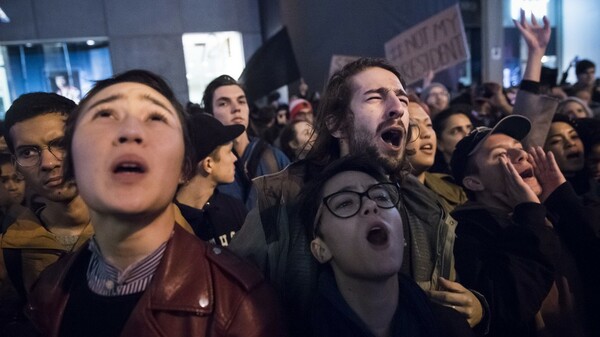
(344, 147)
(240, 143)
(375, 302)
(196, 192)
(420, 176)
(66, 218)
(125, 240)
(492, 201)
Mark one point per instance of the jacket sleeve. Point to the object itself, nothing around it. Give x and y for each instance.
(576, 223)
(507, 266)
(250, 242)
(539, 109)
(258, 315)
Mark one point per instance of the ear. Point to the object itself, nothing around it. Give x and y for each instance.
(472, 183)
(207, 164)
(320, 251)
(336, 133)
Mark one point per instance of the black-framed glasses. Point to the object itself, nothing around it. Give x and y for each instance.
(27, 156)
(346, 204)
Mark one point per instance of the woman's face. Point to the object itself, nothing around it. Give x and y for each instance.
(565, 144)
(128, 151)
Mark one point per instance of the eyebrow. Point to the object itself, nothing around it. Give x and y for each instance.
(144, 97)
(147, 97)
(226, 98)
(385, 91)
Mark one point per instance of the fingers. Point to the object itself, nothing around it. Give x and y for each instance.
(533, 20)
(451, 286)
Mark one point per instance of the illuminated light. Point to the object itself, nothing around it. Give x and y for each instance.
(29, 45)
(544, 59)
(90, 42)
(539, 8)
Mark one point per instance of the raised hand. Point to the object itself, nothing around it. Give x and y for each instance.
(537, 37)
(546, 171)
(516, 191)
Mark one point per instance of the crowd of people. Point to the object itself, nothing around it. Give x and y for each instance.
(367, 210)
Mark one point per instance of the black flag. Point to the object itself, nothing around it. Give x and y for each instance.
(272, 66)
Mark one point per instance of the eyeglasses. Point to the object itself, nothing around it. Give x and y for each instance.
(346, 204)
(28, 156)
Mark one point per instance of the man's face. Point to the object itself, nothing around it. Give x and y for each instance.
(128, 151)
(380, 117)
(45, 177)
(282, 117)
(490, 172)
(456, 128)
(565, 144)
(224, 168)
(438, 99)
(368, 245)
(587, 76)
(305, 114)
(13, 183)
(230, 106)
(424, 146)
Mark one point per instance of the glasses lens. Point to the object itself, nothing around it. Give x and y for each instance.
(385, 195)
(27, 156)
(344, 204)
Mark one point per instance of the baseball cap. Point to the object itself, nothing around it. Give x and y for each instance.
(515, 126)
(207, 133)
(297, 105)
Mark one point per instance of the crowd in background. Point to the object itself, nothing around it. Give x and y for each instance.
(370, 209)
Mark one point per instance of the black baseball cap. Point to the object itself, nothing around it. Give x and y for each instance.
(515, 126)
(207, 133)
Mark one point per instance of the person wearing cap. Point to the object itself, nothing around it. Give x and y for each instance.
(226, 100)
(215, 217)
(508, 245)
(301, 109)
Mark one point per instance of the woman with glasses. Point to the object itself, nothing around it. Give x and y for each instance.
(351, 213)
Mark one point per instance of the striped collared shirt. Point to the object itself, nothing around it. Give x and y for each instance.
(106, 280)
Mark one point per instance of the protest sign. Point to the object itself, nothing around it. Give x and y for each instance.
(339, 61)
(434, 44)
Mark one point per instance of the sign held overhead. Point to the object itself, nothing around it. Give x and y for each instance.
(434, 44)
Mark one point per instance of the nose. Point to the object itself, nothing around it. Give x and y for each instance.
(517, 155)
(424, 132)
(394, 107)
(48, 160)
(368, 206)
(11, 185)
(130, 130)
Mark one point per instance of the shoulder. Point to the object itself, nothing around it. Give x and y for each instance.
(225, 265)
(234, 268)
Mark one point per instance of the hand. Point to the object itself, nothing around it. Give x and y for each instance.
(459, 298)
(428, 78)
(516, 190)
(546, 171)
(536, 36)
(499, 100)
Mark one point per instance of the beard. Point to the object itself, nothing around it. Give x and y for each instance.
(393, 162)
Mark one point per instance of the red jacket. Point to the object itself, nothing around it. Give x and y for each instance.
(197, 290)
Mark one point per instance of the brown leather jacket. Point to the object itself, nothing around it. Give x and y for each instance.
(198, 290)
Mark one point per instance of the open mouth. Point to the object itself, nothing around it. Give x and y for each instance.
(129, 167)
(427, 147)
(392, 137)
(574, 155)
(377, 236)
(526, 174)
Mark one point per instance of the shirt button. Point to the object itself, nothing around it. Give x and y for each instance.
(203, 301)
(109, 285)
